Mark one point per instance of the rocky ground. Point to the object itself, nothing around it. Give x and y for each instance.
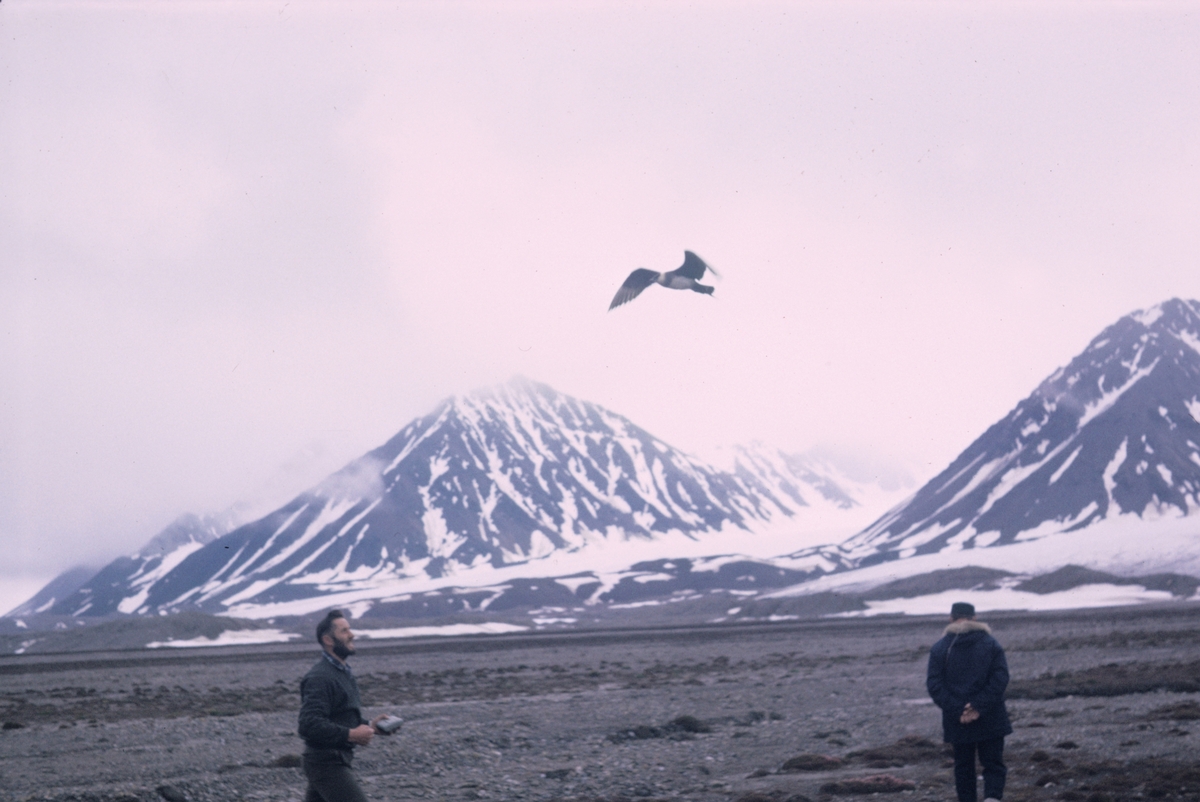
(1105, 707)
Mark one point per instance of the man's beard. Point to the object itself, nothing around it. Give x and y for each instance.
(342, 649)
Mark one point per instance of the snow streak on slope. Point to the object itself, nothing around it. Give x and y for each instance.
(1112, 433)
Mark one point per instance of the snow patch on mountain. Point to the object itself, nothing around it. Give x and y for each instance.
(1126, 545)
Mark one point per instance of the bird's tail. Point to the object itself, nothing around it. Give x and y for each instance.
(704, 288)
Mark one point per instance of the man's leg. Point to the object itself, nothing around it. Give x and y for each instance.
(311, 794)
(991, 757)
(964, 772)
(331, 782)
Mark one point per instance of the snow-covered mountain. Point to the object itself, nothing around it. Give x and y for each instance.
(520, 497)
(118, 585)
(515, 482)
(1116, 432)
(61, 587)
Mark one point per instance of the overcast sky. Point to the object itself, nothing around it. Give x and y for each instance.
(242, 243)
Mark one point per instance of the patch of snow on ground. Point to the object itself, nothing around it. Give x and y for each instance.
(230, 637)
(1009, 599)
(485, 628)
(1124, 545)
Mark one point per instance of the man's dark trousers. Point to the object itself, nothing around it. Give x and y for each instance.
(991, 758)
(330, 778)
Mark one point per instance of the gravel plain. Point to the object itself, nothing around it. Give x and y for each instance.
(1105, 703)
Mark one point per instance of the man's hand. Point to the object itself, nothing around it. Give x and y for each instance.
(362, 734)
(969, 714)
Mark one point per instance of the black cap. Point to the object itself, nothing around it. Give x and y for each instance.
(962, 610)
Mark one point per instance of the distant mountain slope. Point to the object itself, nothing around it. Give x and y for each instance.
(489, 480)
(120, 585)
(1116, 431)
(61, 587)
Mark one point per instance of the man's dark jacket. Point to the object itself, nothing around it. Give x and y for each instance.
(968, 665)
(329, 706)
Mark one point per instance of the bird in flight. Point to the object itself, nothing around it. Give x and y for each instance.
(685, 277)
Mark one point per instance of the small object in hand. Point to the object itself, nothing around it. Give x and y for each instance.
(389, 724)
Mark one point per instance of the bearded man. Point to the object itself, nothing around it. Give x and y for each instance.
(331, 721)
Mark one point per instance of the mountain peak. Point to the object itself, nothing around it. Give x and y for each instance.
(489, 481)
(1113, 432)
(1174, 314)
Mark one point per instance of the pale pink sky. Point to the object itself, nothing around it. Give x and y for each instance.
(236, 234)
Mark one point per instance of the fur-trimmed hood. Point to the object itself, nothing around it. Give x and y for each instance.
(964, 625)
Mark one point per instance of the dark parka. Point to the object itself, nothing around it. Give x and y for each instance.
(968, 665)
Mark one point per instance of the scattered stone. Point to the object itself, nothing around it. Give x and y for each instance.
(690, 724)
(1188, 710)
(288, 762)
(682, 728)
(1066, 745)
(907, 750)
(810, 762)
(639, 733)
(1110, 680)
(171, 793)
(756, 796)
(874, 784)
(12, 725)
(776, 795)
(549, 715)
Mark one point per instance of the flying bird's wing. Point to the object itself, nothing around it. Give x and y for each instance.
(638, 280)
(694, 266)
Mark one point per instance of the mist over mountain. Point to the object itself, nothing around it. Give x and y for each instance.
(83, 590)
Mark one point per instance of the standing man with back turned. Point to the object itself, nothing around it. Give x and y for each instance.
(331, 721)
(967, 677)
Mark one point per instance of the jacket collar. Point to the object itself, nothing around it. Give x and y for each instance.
(343, 667)
(964, 625)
